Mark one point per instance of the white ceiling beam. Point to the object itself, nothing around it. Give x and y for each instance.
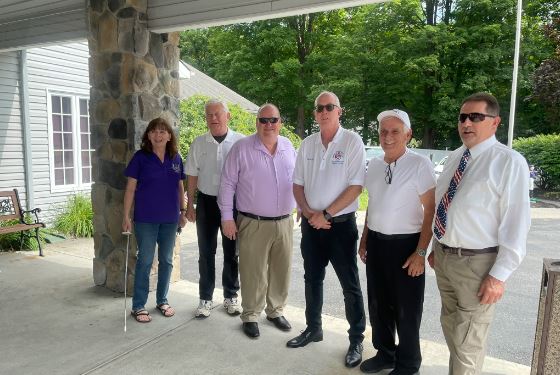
(177, 15)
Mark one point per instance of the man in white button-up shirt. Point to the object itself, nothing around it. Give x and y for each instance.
(204, 167)
(484, 232)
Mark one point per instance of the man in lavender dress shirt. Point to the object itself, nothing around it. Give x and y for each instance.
(258, 174)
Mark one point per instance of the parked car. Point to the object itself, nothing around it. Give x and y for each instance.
(373, 151)
(439, 167)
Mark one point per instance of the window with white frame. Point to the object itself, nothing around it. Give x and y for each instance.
(71, 141)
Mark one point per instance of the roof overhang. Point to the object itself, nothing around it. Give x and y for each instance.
(173, 15)
(31, 23)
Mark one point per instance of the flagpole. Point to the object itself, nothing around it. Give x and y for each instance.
(515, 73)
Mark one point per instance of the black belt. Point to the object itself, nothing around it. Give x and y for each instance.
(257, 217)
(343, 218)
(467, 252)
(202, 195)
(389, 237)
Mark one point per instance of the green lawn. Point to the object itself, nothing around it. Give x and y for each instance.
(363, 200)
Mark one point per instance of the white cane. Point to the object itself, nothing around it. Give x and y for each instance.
(127, 234)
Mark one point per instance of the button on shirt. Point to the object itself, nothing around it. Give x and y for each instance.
(491, 206)
(156, 199)
(325, 173)
(206, 158)
(396, 208)
(261, 182)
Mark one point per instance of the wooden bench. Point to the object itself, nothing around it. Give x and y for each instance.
(10, 209)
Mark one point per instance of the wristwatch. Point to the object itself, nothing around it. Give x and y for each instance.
(327, 216)
(421, 252)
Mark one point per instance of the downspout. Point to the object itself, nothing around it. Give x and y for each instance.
(25, 130)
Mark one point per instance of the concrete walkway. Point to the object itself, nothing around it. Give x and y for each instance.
(54, 321)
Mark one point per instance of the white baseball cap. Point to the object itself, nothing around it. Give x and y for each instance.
(401, 115)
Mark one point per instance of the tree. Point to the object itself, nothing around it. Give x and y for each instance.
(546, 80)
(421, 56)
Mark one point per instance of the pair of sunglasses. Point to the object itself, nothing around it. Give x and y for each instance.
(328, 107)
(474, 117)
(268, 120)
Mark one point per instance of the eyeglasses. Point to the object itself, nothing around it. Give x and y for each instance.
(330, 107)
(474, 117)
(267, 120)
(389, 172)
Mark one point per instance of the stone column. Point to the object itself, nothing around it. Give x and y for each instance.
(134, 78)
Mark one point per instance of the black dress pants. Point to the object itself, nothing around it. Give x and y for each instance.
(395, 300)
(208, 222)
(337, 245)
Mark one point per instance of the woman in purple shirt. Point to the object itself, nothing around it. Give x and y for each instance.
(155, 185)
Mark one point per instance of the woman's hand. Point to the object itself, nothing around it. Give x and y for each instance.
(127, 224)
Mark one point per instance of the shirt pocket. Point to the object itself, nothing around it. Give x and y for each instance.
(476, 193)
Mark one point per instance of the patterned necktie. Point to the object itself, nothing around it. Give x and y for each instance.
(441, 213)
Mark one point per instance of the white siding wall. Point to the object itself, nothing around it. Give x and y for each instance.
(59, 69)
(11, 137)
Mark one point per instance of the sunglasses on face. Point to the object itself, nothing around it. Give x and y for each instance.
(268, 120)
(329, 107)
(474, 117)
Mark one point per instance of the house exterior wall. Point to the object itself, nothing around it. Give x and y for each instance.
(60, 70)
(11, 137)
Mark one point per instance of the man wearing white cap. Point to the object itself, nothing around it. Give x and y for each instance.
(396, 234)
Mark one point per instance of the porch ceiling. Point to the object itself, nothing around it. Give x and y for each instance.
(174, 15)
(29, 23)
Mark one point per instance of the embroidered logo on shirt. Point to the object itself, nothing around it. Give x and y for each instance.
(176, 167)
(338, 157)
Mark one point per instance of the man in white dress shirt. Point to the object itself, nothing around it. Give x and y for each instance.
(480, 231)
(204, 167)
(397, 232)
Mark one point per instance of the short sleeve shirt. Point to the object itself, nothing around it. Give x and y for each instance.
(206, 159)
(396, 208)
(325, 173)
(156, 199)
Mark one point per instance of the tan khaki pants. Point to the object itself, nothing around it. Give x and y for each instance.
(265, 257)
(464, 320)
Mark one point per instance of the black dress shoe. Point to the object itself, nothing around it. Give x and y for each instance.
(354, 355)
(376, 364)
(403, 372)
(280, 322)
(251, 329)
(305, 338)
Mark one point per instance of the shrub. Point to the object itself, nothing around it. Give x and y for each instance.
(543, 151)
(363, 200)
(76, 217)
(11, 241)
(193, 122)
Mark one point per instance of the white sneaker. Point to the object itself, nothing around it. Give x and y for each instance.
(203, 310)
(232, 306)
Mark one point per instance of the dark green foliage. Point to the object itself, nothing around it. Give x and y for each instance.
(420, 56)
(193, 122)
(76, 217)
(543, 151)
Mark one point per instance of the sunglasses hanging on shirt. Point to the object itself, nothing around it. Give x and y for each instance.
(389, 172)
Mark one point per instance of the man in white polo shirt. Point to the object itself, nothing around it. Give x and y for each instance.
(204, 167)
(397, 231)
(328, 178)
